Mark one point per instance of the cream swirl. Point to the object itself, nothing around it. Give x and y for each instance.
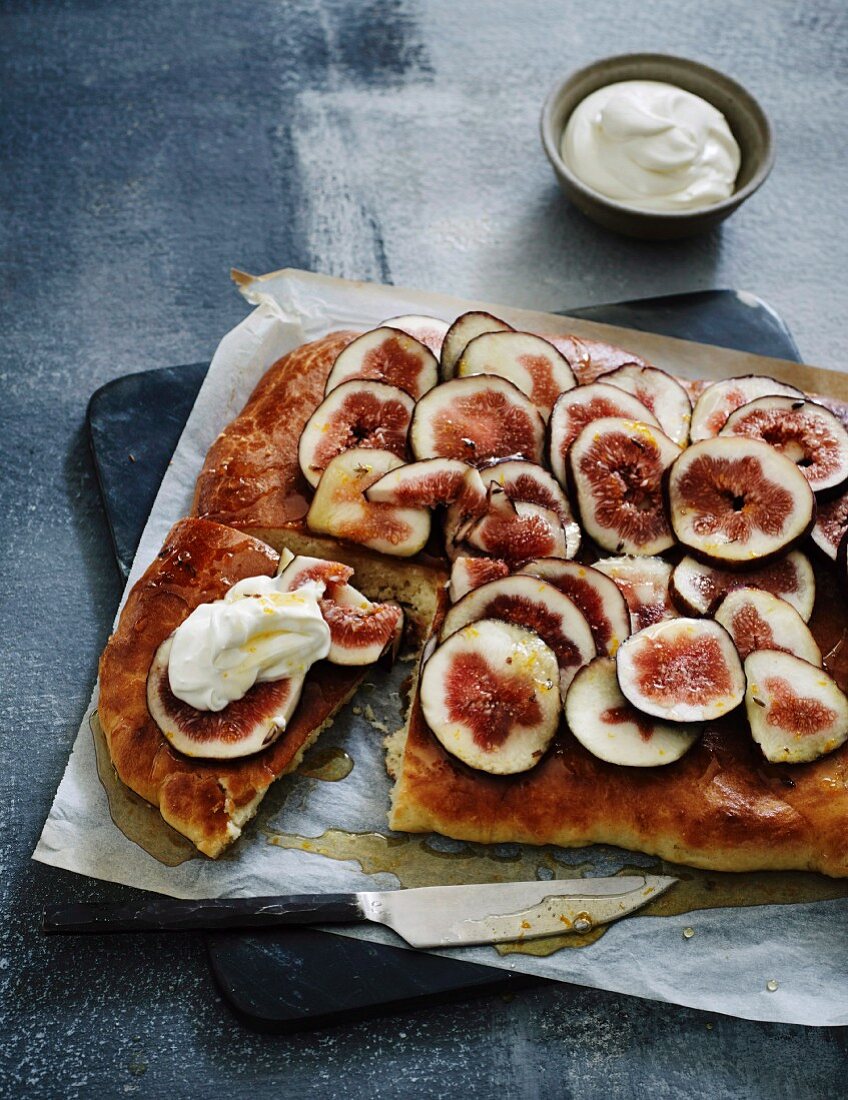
(256, 633)
(651, 146)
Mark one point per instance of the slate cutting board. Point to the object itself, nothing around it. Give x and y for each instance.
(289, 979)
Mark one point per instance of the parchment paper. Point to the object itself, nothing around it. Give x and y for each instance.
(724, 967)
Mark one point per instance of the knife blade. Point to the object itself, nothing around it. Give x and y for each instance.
(426, 916)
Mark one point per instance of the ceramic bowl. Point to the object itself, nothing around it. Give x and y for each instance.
(746, 118)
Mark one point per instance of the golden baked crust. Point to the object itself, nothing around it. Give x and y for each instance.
(721, 807)
(207, 801)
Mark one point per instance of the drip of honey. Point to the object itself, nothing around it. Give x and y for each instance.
(330, 765)
(138, 820)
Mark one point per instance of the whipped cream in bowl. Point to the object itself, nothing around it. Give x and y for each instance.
(652, 145)
(655, 146)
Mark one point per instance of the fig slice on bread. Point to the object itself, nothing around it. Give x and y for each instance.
(477, 419)
(429, 331)
(534, 604)
(755, 619)
(358, 413)
(460, 334)
(596, 595)
(360, 631)
(468, 573)
(489, 693)
(242, 728)
(831, 524)
(644, 583)
(578, 407)
(684, 670)
(528, 361)
(525, 481)
(796, 711)
(696, 587)
(516, 531)
(339, 507)
(616, 467)
(720, 399)
(386, 355)
(660, 393)
(804, 431)
(738, 502)
(612, 729)
(427, 484)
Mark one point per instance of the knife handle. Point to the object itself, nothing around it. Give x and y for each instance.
(174, 915)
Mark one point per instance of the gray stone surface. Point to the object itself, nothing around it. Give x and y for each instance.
(144, 149)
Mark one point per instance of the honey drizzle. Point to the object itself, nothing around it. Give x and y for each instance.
(330, 765)
(138, 820)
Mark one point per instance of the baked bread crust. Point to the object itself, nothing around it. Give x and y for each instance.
(206, 800)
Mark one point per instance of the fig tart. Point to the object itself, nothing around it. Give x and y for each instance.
(629, 590)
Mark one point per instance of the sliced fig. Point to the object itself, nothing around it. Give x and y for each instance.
(469, 506)
(611, 728)
(360, 631)
(578, 407)
(242, 728)
(660, 393)
(596, 595)
(477, 419)
(387, 355)
(755, 619)
(526, 481)
(738, 502)
(429, 331)
(644, 584)
(354, 414)
(537, 605)
(530, 362)
(489, 694)
(696, 588)
(685, 670)
(616, 468)
(517, 531)
(720, 399)
(796, 711)
(464, 329)
(470, 573)
(831, 524)
(424, 484)
(807, 433)
(339, 507)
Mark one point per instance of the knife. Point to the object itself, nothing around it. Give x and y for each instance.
(427, 916)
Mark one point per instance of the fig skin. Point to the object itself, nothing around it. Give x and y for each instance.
(385, 410)
(474, 323)
(830, 526)
(611, 728)
(707, 425)
(475, 420)
(681, 670)
(727, 580)
(392, 352)
(656, 575)
(636, 442)
(805, 431)
(716, 448)
(796, 712)
(489, 696)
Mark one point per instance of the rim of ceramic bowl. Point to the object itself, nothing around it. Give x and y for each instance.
(551, 141)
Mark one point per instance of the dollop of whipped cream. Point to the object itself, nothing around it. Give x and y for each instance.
(651, 146)
(256, 633)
